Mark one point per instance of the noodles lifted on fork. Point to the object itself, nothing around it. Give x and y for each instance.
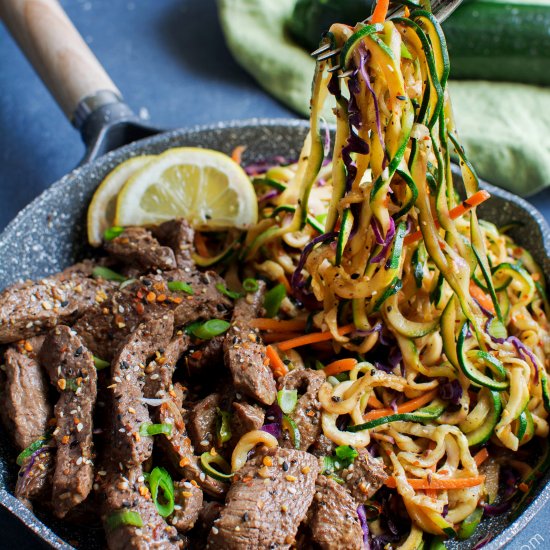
(461, 309)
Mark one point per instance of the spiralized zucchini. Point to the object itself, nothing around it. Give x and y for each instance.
(464, 306)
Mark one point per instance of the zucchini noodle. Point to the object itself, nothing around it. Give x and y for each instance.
(455, 320)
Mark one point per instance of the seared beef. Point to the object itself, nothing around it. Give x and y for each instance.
(244, 419)
(307, 413)
(179, 236)
(267, 503)
(188, 504)
(31, 308)
(364, 477)
(106, 326)
(202, 422)
(126, 491)
(25, 409)
(206, 359)
(332, 518)
(72, 372)
(179, 450)
(34, 481)
(323, 446)
(245, 354)
(136, 246)
(159, 372)
(127, 372)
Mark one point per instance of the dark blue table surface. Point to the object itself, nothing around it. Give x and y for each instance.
(170, 61)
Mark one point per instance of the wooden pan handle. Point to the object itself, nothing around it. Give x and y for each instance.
(57, 51)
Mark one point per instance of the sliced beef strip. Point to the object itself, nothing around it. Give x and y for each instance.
(34, 481)
(202, 422)
(188, 503)
(32, 308)
(126, 491)
(159, 372)
(266, 514)
(307, 413)
(179, 450)
(364, 477)
(137, 247)
(71, 369)
(205, 359)
(332, 518)
(245, 354)
(179, 236)
(25, 408)
(127, 379)
(107, 325)
(323, 446)
(244, 419)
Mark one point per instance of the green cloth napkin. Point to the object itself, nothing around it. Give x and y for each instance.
(504, 127)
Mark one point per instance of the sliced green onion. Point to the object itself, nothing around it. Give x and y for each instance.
(346, 453)
(180, 286)
(496, 329)
(70, 384)
(229, 293)
(32, 448)
(273, 299)
(160, 479)
(112, 232)
(100, 272)
(216, 467)
(290, 426)
(213, 327)
(100, 364)
(287, 400)
(123, 517)
(223, 427)
(155, 429)
(251, 285)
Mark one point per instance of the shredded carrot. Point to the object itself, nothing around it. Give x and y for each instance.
(441, 484)
(341, 365)
(523, 487)
(277, 325)
(284, 281)
(375, 403)
(275, 362)
(313, 338)
(200, 245)
(481, 456)
(380, 12)
(274, 337)
(475, 200)
(409, 406)
(237, 153)
(483, 299)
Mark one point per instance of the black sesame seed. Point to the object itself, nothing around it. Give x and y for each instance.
(78, 351)
(285, 466)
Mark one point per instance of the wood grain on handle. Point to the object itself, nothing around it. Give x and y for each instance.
(57, 51)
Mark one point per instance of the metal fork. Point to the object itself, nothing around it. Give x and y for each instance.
(440, 8)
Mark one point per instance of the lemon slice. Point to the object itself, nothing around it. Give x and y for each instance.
(205, 187)
(101, 212)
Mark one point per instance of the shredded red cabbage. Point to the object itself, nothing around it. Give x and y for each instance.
(274, 429)
(451, 391)
(386, 242)
(525, 353)
(364, 333)
(364, 525)
(263, 166)
(32, 459)
(274, 421)
(483, 542)
(365, 55)
(297, 279)
(268, 196)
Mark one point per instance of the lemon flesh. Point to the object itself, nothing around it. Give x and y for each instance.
(102, 209)
(205, 187)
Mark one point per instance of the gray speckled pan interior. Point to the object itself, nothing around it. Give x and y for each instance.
(48, 235)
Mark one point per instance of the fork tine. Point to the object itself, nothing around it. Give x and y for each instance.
(321, 49)
(329, 54)
(346, 74)
(335, 68)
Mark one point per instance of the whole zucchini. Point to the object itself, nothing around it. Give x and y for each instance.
(487, 39)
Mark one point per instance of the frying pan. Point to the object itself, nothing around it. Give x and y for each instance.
(49, 234)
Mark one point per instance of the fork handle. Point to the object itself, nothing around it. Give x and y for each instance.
(55, 48)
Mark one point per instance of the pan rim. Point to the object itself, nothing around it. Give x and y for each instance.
(37, 526)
